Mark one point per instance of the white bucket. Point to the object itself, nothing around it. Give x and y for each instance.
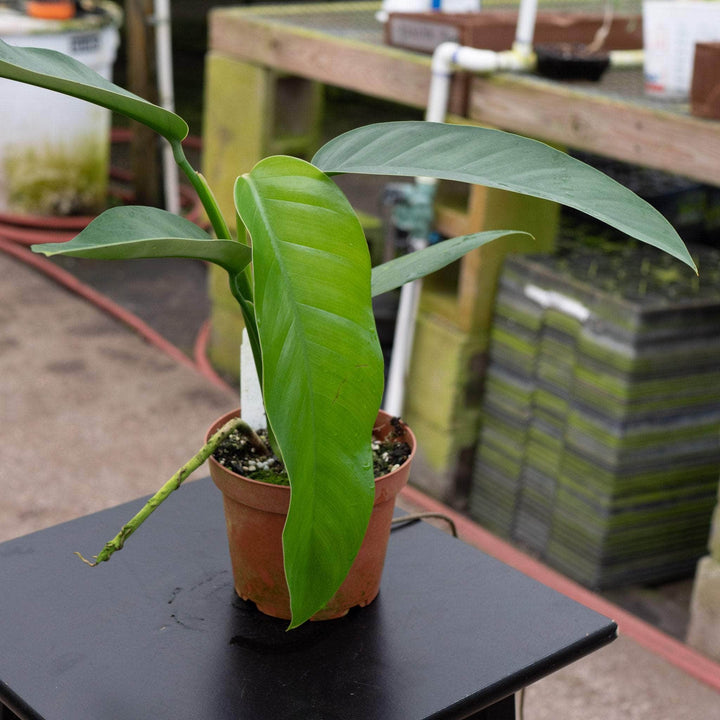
(671, 28)
(54, 149)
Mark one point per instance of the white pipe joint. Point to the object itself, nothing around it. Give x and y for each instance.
(442, 71)
(449, 56)
(506, 60)
(626, 58)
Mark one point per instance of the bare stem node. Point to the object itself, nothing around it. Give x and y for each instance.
(173, 484)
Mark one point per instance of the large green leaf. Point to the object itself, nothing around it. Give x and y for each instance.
(131, 232)
(502, 160)
(322, 365)
(415, 265)
(56, 71)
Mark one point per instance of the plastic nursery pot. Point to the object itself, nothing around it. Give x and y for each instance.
(255, 515)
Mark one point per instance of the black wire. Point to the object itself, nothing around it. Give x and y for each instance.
(416, 517)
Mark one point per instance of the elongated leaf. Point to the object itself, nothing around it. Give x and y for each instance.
(131, 232)
(482, 156)
(56, 71)
(404, 269)
(322, 365)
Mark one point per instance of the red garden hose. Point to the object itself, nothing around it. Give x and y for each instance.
(17, 232)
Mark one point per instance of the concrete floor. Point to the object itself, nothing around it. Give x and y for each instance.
(85, 407)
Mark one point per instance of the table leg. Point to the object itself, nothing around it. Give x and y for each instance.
(502, 710)
(6, 713)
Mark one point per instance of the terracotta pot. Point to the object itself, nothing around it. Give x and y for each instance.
(255, 515)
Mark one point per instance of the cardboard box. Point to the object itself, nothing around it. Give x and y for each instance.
(705, 88)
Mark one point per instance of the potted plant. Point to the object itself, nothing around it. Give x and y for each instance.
(304, 286)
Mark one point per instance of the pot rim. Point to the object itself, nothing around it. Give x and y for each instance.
(386, 486)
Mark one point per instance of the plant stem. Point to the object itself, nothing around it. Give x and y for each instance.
(203, 190)
(240, 284)
(173, 484)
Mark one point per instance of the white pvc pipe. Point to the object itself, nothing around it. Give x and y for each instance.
(445, 59)
(626, 58)
(526, 26)
(449, 55)
(402, 347)
(163, 50)
(441, 68)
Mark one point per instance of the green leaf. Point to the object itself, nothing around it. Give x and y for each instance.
(414, 265)
(322, 365)
(56, 71)
(131, 232)
(482, 156)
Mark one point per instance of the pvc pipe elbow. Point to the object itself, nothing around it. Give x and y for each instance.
(451, 54)
(443, 58)
(519, 58)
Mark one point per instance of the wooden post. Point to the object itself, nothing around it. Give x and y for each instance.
(265, 112)
(141, 80)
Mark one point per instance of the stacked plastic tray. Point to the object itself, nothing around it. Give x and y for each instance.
(600, 444)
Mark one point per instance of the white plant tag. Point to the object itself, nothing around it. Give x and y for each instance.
(251, 403)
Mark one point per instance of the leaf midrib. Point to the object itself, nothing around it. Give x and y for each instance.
(289, 289)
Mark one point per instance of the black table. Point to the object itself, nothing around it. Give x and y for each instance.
(159, 633)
